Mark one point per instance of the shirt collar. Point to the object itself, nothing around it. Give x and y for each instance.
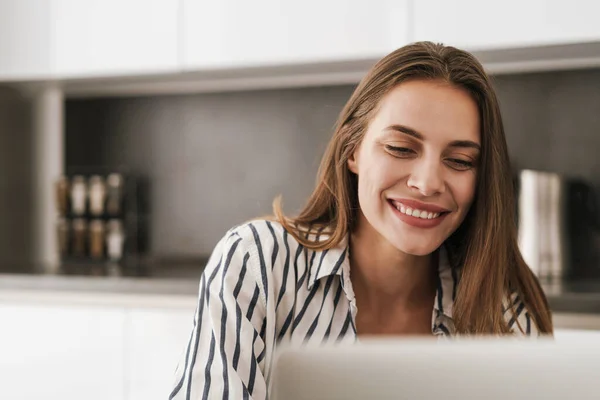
(336, 261)
(447, 283)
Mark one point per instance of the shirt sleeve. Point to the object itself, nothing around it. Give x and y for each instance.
(225, 349)
(518, 317)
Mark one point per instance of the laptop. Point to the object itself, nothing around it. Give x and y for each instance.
(502, 369)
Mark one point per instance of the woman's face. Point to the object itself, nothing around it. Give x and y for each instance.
(417, 165)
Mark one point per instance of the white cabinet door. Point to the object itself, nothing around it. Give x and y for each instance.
(67, 353)
(114, 37)
(476, 24)
(156, 340)
(271, 32)
(24, 39)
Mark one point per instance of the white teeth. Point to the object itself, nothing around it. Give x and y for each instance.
(416, 213)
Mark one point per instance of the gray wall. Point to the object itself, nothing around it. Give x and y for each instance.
(16, 181)
(214, 160)
(552, 121)
(209, 161)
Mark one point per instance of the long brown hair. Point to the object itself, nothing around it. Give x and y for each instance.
(485, 246)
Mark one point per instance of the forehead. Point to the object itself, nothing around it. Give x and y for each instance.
(436, 109)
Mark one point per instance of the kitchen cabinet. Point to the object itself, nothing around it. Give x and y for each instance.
(155, 341)
(74, 345)
(78, 345)
(322, 42)
(506, 24)
(68, 353)
(234, 33)
(24, 39)
(114, 37)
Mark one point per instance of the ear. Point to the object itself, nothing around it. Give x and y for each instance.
(353, 162)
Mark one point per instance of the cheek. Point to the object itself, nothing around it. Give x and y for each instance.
(376, 175)
(464, 191)
(379, 174)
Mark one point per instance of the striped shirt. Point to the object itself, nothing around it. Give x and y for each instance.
(260, 288)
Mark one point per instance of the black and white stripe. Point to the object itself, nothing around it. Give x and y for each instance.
(261, 288)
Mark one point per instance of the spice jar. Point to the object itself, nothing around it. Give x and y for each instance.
(115, 239)
(96, 236)
(78, 195)
(61, 188)
(79, 237)
(114, 188)
(62, 227)
(97, 195)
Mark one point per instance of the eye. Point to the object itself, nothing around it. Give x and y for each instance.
(399, 151)
(460, 165)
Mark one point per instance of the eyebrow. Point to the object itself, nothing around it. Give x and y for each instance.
(411, 132)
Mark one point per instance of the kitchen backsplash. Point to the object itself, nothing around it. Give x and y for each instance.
(208, 161)
(211, 161)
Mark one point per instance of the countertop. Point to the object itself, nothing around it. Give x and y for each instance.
(175, 286)
(168, 285)
(581, 296)
(179, 278)
(182, 281)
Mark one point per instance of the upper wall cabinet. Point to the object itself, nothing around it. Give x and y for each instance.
(64, 39)
(506, 24)
(230, 33)
(24, 39)
(114, 37)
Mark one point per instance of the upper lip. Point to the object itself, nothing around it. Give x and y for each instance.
(421, 206)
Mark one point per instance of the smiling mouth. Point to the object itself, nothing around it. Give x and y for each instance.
(416, 213)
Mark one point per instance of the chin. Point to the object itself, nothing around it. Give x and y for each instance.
(415, 249)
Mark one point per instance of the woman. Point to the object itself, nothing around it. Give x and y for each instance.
(410, 230)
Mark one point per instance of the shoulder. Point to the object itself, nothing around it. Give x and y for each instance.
(517, 316)
(263, 244)
(237, 262)
(261, 237)
(253, 234)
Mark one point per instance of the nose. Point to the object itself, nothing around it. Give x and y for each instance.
(426, 177)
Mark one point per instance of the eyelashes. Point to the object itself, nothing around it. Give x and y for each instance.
(461, 165)
(454, 163)
(399, 150)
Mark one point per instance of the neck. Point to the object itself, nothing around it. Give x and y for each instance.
(385, 278)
